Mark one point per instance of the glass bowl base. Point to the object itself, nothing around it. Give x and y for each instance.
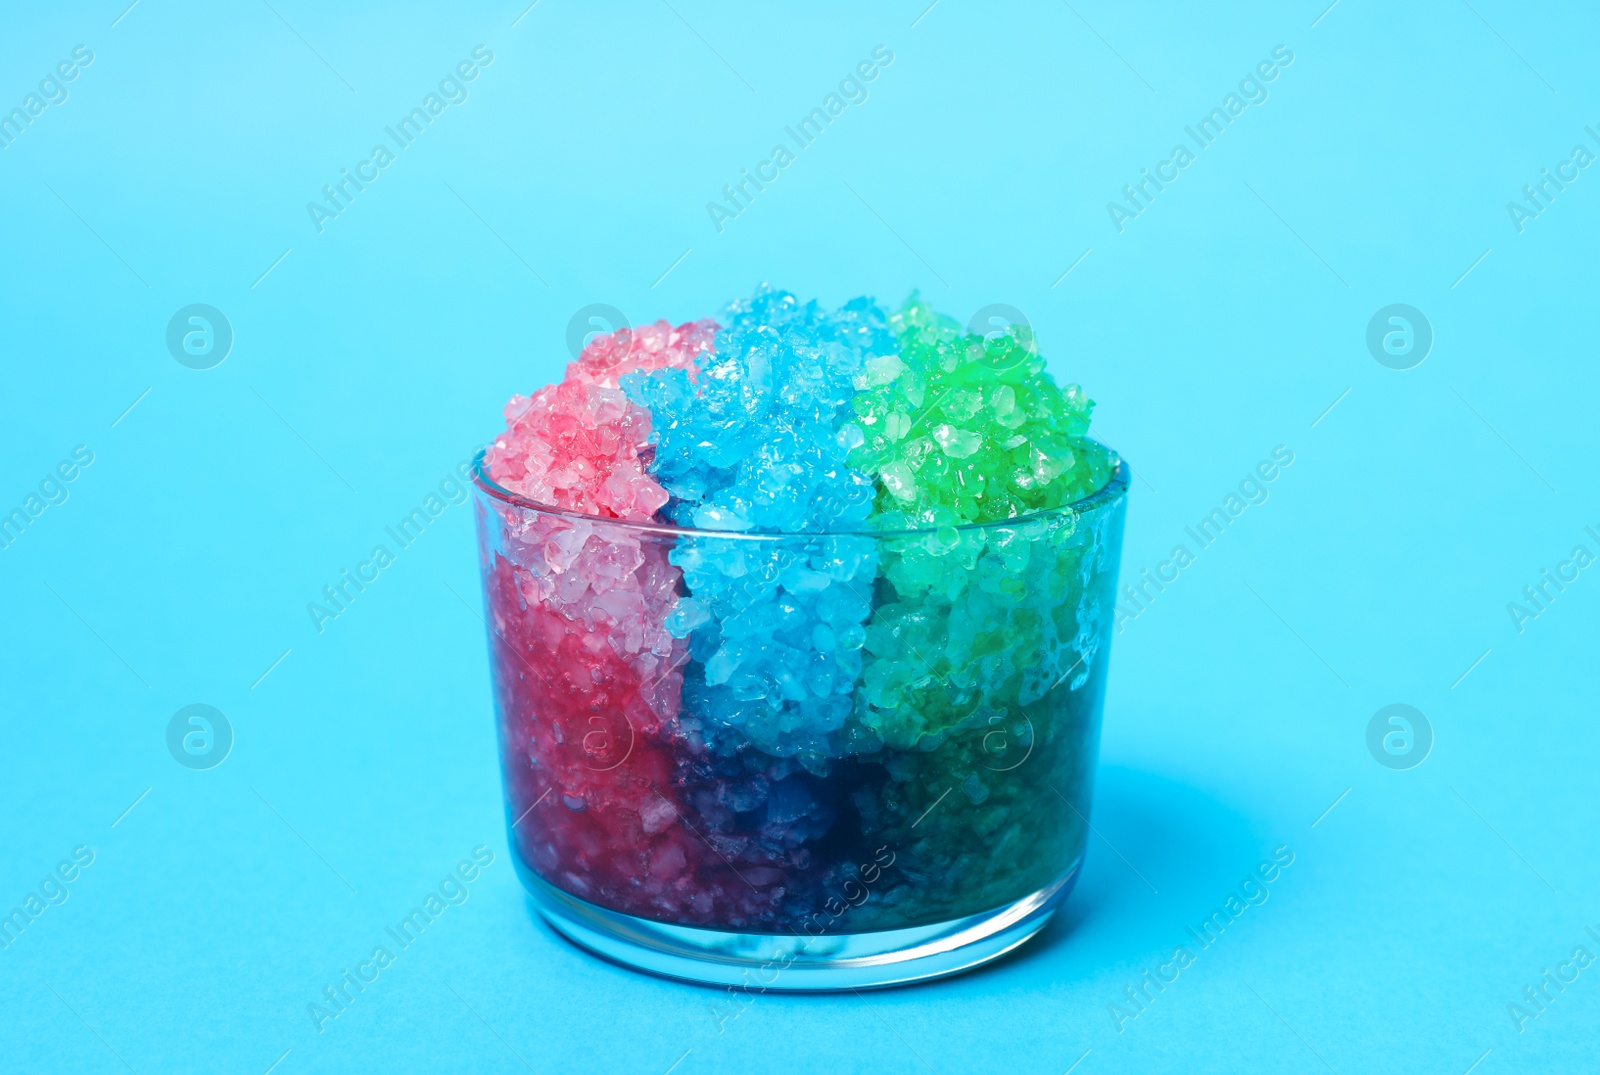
(795, 963)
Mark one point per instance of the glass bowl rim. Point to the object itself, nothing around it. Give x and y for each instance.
(1115, 488)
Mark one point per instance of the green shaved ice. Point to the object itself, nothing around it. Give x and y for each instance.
(966, 429)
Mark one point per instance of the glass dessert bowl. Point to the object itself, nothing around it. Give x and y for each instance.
(798, 761)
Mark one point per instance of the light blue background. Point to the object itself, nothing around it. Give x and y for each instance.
(1223, 321)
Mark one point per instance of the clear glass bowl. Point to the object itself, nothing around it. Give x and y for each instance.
(798, 761)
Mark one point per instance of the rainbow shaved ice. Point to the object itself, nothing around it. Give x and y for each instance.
(814, 597)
